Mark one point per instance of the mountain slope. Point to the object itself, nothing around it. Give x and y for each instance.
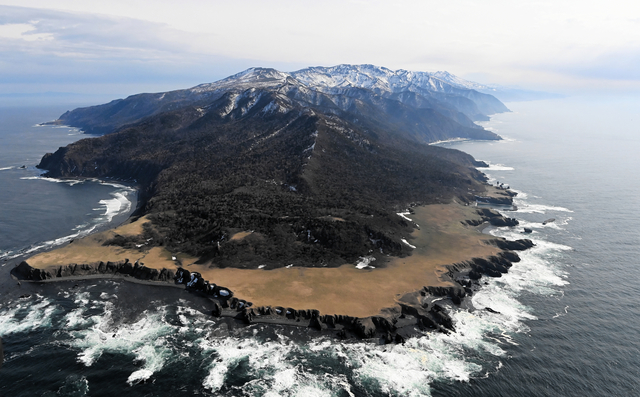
(414, 89)
(312, 178)
(383, 81)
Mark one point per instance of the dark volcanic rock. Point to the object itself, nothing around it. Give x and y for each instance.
(505, 200)
(365, 328)
(495, 218)
(217, 310)
(510, 256)
(138, 270)
(517, 245)
(503, 221)
(25, 272)
(317, 324)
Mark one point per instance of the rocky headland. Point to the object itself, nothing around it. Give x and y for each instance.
(409, 312)
(310, 198)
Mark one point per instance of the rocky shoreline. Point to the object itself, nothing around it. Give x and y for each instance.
(415, 312)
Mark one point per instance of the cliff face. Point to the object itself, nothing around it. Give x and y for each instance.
(318, 176)
(414, 313)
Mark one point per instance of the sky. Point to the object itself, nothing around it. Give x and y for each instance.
(122, 47)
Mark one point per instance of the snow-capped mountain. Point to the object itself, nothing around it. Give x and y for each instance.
(342, 88)
(284, 155)
(387, 82)
(458, 81)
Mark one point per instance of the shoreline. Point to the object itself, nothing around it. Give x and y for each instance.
(401, 310)
(116, 221)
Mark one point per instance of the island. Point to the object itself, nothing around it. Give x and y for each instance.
(311, 198)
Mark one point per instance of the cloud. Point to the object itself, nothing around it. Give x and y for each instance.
(541, 44)
(612, 65)
(23, 31)
(54, 50)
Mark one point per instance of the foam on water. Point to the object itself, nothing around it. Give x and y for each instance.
(70, 182)
(26, 315)
(529, 208)
(480, 334)
(495, 167)
(279, 367)
(113, 207)
(146, 338)
(252, 365)
(74, 385)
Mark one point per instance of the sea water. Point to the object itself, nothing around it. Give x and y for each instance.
(38, 213)
(564, 320)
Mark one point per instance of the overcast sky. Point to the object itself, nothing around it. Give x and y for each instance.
(122, 47)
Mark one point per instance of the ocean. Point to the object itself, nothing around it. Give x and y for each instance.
(564, 322)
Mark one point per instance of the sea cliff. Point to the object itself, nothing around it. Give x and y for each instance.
(410, 313)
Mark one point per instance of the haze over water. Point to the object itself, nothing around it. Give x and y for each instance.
(567, 324)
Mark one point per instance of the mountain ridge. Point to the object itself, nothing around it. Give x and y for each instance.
(462, 105)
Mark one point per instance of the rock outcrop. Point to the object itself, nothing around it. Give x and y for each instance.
(425, 309)
(124, 268)
(495, 218)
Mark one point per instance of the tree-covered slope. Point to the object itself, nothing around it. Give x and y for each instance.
(313, 179)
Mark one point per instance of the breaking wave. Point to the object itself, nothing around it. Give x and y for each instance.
(70, 182)
(262, 360)
(117, 205)
(495, 167)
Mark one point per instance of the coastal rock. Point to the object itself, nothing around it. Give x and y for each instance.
(456, 291)
(365, 328)
(517, 245)
(25, 271)
(217, 309)
(427, 322)
(196, 282)
(248, 314)
(383, 324)
(510, 256)
(505, 200)
(504, 221)
(142, 272)
(495, 218)
(222, 292)
(166, 275)
(125, 268)
(317, 324)
(441, 317)
(183, 276)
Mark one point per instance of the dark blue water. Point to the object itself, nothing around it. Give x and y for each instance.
(38, 213)
(580, 154)
(568, 321)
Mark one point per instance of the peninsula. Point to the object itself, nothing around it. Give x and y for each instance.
(308, 198)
